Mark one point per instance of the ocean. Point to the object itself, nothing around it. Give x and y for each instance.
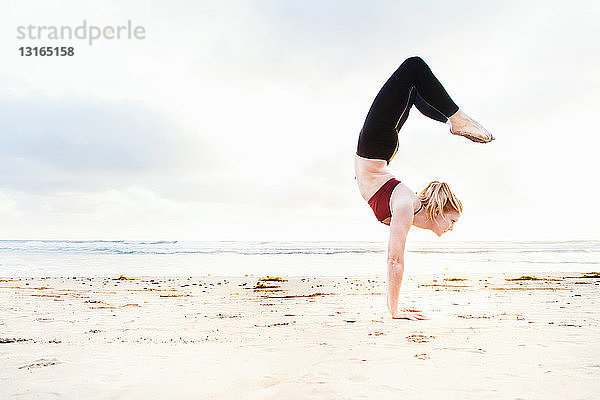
(39, 258)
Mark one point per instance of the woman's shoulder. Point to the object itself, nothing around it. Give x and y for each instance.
(403, 200)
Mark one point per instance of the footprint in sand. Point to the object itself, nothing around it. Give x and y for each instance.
(465, 349)
(419, 338)
(42, 362)
(423, 356)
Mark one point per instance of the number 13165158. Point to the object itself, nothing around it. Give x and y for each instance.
(47, 51)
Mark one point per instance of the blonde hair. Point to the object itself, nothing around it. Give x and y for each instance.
(437, 198)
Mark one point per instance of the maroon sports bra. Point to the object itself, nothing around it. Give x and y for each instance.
(380, 201)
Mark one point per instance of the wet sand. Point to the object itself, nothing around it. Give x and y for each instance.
(321, 338)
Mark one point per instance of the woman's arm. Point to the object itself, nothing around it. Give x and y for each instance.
(399, 226)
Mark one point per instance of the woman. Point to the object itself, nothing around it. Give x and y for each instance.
(394, 204)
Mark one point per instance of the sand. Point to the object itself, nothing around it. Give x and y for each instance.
(318, 338)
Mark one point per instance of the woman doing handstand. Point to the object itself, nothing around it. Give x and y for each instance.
(436, 208)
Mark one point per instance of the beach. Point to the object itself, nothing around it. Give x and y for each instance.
(298, 337)
(203, 200)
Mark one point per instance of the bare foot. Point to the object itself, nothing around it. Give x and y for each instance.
(463, 125)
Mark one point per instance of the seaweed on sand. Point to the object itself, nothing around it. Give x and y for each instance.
(272, 279)
(13, 340)
(525, 278)
(590, 275)
(298, 295)
(263, 286)
(123, 278)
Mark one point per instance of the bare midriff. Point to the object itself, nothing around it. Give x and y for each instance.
(370, 174)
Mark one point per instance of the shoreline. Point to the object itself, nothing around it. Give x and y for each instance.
(408, 273)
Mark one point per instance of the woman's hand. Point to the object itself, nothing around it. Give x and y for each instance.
(409, 313)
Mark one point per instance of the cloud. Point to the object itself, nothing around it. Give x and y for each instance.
(86, 144)
(80, 146)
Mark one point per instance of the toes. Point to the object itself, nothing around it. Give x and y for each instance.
(488, 137)
(475, 139)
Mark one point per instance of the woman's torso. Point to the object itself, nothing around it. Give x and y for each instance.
(371, 174)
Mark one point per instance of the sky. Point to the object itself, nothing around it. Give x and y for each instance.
(239, 120)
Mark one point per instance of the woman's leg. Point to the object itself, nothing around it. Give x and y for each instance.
(428, 110)
(425, 108)
(379, 135)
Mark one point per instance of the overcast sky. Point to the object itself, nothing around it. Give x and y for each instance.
(238, 120)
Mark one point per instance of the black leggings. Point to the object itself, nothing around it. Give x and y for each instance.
(412, 83)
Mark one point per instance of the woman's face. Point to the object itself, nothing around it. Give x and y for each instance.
(441, 225)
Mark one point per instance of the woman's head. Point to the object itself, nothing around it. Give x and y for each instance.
(441, 206)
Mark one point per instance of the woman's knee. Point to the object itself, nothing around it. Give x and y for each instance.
(415, 61)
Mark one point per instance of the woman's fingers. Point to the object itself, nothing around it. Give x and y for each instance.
(405, 316)
(413, 316)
